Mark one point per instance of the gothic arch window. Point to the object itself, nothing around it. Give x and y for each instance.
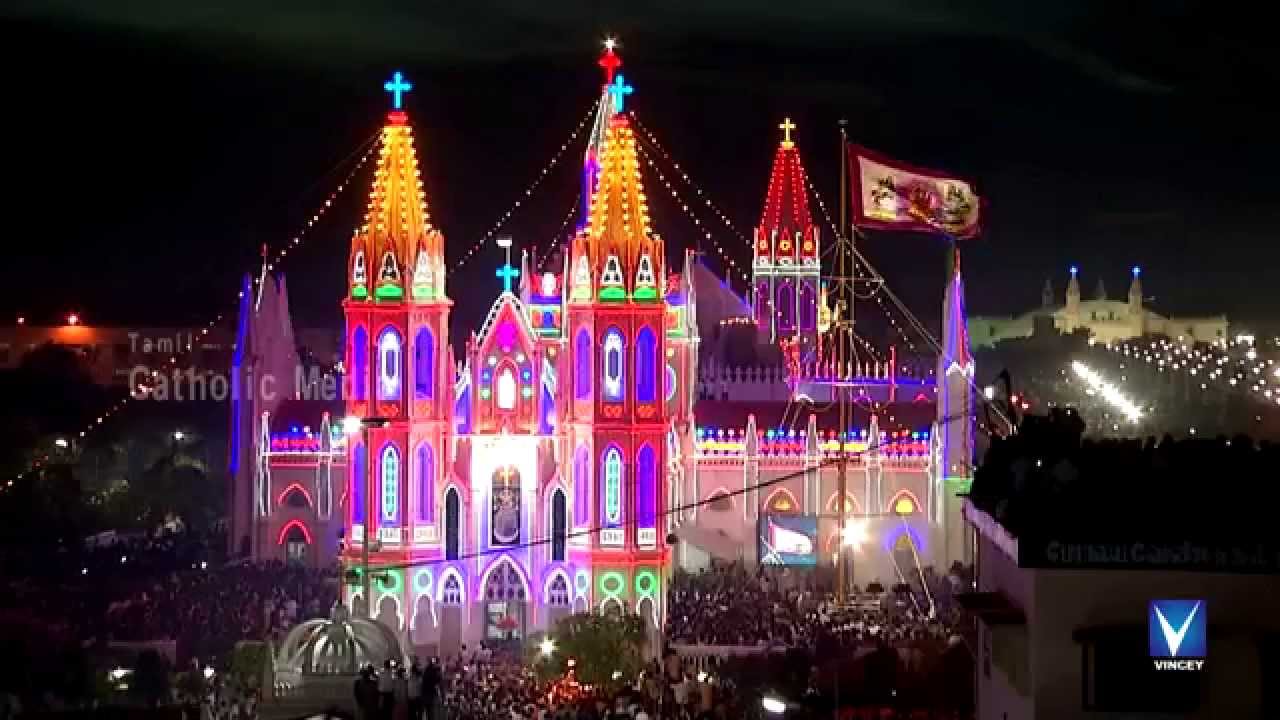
(451, 591)
(782, 502)
(390, 365)
(786, 305)
(359, 274)
(426, 483)
(763, 303)
(647, 363)
(504, 583)
(559, 525)
(390, 485)
(719, 501)
(581, 483)
(452, 521)
(613, 365)
(646, 487)
(611, 480)
(808, 307)
(359, 363)
(390, 272)
(850, 504)
(359, 466)
(424, 364)
(582, 365)
(295, 496)
(505, 388)
(904, 503)
(558, 592)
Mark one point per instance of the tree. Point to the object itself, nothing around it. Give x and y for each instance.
(599, 645)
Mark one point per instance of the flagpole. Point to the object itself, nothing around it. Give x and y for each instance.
(842, 472)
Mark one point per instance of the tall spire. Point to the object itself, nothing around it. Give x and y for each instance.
(397, 254)
(617, 248)
(1135, 291)
(786, 233)
(609, 62)
(955, 330)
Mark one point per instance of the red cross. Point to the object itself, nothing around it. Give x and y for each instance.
(610, 62)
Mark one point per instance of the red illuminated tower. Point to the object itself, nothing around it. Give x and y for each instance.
(398, 363)
(617, 412)
(786, 275)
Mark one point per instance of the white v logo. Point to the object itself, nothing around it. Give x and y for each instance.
(1174, 638)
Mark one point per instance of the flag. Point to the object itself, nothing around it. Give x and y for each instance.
(890, 195)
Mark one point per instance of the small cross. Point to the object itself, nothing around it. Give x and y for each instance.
(506, 272)
(609, 61)
(619, 90)
(397, 86)
(786, 127)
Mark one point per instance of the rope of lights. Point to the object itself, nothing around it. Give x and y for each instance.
(731, 263)
(147, 385)
(528, 191)
(559, 236)
(697, 189)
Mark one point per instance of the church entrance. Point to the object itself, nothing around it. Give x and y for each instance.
(450, 607)
(505, 601)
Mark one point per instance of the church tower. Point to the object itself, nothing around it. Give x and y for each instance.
(617, 410)
(953, 432)
(786, 275)
(398, 362)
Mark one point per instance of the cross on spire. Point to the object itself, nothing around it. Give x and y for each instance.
(609, 61)
(506, 272)
(619, 90)
(397, 86)
(786, 127)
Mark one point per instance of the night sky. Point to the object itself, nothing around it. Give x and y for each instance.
(151, 151)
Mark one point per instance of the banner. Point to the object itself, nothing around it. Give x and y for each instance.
(889, 195)
(787, 539)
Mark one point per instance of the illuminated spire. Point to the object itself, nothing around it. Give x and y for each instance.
(619, 246)
(396, 254)
(955, 328)
(786, 233)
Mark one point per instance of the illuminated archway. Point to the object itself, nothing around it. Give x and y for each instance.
(294, 490)
(850, 504)
(291, 525)
(904, 502)
(781, 501)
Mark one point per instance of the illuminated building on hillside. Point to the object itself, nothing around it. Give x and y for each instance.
(1106, 320)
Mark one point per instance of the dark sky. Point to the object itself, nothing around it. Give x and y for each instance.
(151, 150)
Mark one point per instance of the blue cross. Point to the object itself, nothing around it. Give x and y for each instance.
(507, 273)
(397, 86)
(619, 90)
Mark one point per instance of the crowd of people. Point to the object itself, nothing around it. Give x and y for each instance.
(728, 604)
(206, 611)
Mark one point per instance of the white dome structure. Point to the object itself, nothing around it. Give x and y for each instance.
(339, 645)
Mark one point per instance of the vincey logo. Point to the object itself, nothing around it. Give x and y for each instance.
(1177, 634)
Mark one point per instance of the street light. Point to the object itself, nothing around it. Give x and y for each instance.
(547, 646)
(773, 705)
(178, 435)
(351, 425)
(62, 443)
(854, 534)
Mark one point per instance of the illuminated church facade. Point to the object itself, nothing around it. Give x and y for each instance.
(545, 468)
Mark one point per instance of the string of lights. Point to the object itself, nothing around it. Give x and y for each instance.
(528, 191)
(649, 137)
(271, 260)
(662, 178)
(560, 235)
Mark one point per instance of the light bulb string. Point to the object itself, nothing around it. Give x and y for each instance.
(40, 459)
(528, 191)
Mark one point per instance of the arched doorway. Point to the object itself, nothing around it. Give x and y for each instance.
(449, 602)
(559, 525)
(506, 599)
(558, 600)
(296, 541)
